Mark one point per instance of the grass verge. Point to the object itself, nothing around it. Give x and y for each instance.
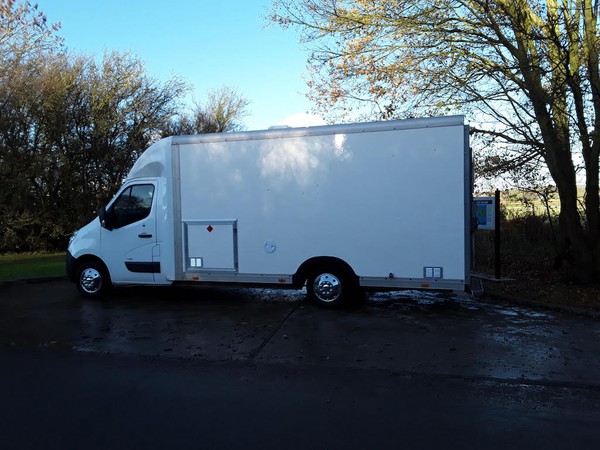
(27, 266)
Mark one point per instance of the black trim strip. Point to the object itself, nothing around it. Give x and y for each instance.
(143, 267)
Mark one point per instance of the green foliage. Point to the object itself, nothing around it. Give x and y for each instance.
(69, 132)
(26, 231)
(528, 246)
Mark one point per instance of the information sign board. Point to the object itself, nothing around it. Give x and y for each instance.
(484, 208)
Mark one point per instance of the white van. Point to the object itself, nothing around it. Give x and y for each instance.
(381, 205)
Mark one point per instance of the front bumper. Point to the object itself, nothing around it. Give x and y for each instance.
(70, 266)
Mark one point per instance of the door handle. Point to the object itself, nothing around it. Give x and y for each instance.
(144, 235)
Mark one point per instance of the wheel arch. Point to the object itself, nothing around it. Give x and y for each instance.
(303, 272)
(84, 259)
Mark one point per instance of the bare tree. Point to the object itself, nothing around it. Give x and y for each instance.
(222, 112)
(526, 71)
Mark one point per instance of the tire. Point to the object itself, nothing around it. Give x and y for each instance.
(331, 287)
(93, 280)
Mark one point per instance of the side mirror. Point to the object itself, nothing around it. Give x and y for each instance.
(105, 219)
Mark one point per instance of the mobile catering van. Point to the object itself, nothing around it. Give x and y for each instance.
(336, 208)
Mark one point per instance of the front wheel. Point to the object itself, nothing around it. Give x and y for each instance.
(330, 288)
(92, 279)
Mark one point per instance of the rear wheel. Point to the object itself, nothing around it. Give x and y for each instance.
(92, 279)
(331, 287)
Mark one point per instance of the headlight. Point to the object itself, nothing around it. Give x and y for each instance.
(72, 238)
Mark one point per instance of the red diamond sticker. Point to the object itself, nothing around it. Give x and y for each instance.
(210, 228)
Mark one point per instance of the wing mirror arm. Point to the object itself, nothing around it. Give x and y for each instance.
(105, 219)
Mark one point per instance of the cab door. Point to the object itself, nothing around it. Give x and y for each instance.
(128, 235)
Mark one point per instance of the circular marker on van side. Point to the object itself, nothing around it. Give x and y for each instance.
(270, 247)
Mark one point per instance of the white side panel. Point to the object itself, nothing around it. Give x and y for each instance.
(383, 201)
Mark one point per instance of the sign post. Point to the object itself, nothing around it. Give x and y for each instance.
(498, 261)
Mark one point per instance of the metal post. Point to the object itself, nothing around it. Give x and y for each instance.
(497, 237)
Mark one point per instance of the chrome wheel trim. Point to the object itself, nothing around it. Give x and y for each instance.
(91, 280)
(327, 287)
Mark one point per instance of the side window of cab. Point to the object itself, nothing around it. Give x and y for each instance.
(133, 205)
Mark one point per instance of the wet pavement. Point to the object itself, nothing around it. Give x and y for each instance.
(427, 369)
(402, 332)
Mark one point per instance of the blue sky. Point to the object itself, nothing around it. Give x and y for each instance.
(209, 43)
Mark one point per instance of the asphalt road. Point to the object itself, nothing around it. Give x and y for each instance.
(240, 368)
